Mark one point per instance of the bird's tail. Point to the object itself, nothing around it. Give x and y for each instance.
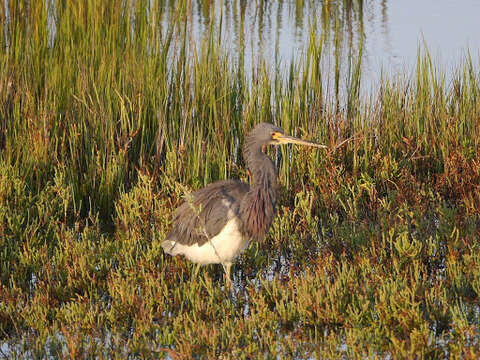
(170, 247)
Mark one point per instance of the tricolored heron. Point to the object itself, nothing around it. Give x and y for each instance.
(216, 223)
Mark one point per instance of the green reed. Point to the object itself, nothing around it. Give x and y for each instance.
(106, 122)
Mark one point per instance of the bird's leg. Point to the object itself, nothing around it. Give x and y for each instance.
(228, 281)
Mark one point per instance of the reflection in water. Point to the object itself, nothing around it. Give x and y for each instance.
(385, 35)
(385, 28)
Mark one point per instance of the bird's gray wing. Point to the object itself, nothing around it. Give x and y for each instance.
(206, 211)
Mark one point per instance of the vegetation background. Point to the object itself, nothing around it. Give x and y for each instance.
(108, 117)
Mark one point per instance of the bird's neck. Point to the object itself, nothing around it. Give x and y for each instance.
(264, 172)
(258, 162)
(258, 206)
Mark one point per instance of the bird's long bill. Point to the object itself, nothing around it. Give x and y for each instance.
(286, 139)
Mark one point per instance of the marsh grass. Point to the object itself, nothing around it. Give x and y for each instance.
(375, 248)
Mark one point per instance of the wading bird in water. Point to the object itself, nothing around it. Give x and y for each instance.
(216, 223)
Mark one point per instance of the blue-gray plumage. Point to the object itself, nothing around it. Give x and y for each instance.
(216, 223)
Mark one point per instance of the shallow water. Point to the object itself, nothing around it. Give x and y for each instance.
(393, 31)
(278, 32)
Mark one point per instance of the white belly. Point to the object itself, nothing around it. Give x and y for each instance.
(223, 248)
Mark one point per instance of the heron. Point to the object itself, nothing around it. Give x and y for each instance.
(216, 223)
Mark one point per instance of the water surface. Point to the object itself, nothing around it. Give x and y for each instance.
(278, 32)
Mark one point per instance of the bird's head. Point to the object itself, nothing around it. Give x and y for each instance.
(269, 134)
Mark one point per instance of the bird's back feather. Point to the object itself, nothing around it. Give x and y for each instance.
(206, 212)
